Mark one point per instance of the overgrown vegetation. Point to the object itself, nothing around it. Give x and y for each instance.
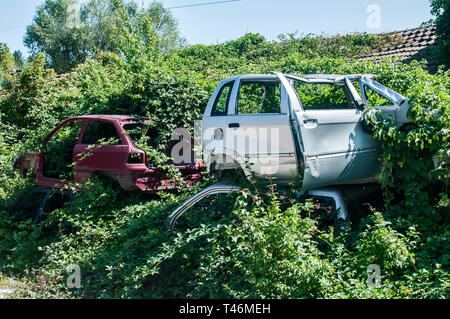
(441, 10)
(68, 32)
(264, 246)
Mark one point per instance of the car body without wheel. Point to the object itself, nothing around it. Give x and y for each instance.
(290, 128)
(106, 145)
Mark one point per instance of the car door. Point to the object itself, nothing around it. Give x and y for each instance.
(385, 100)
(260, 129)
(223, 188)
(256, 131)
(101, 148)
(215, 122)
(336, 149)
(219, 188)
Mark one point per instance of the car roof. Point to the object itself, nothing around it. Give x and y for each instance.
(120, 118)
(318, 77)
(255, 77)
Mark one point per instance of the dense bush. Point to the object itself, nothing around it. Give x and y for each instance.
(266, 246)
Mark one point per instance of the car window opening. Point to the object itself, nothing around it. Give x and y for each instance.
(259, 97)
(318, 96)
(100, 132)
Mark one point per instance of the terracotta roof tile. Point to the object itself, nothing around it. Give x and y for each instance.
(413, 42)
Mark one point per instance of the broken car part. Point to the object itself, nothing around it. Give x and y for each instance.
(222, 188)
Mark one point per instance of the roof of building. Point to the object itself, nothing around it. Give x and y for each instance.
(411, 44)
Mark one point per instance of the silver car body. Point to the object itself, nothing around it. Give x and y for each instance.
(322, 147)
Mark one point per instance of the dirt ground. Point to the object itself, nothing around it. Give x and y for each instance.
(10, 288)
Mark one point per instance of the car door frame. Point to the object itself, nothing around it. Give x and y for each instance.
(279, 159)
(400, 104)
(347, 154)
(51, 181)
(219, 188)
(339, 204)
(214, 126)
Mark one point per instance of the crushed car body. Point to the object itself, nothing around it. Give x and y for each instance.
(288, 128)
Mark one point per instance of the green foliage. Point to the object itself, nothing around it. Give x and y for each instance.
(441, 10)
(316, 97)
(19, 60)
(267, 253)
(68, 32)
(265, 246)
(165, 26)
(381, 245)
(25, 92)
(6, 65)
(56, 31)
(257, 98)
(410, 152)
(59, 151)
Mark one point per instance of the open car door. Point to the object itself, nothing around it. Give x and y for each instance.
(219, 188)
(335, 195)
(336, 148)
(389, 102)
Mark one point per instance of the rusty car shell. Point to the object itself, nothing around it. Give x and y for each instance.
(109, 160)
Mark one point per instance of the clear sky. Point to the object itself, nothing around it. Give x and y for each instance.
(226, 21)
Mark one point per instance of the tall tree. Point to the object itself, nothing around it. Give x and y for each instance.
(58, 32)
(68, 33)
(6, 65)
(441, 10)
(103, 18)
(104, 21)
(19, 60)
(165, 26)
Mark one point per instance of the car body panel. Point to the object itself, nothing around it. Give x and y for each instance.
(400, 104)
(219, 188)
(227, 151)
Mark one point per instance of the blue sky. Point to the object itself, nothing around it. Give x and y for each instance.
(222, 22)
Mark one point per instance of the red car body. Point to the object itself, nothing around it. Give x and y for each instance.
(112, 160)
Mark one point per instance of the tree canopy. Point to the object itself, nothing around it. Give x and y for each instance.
(68, 32)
